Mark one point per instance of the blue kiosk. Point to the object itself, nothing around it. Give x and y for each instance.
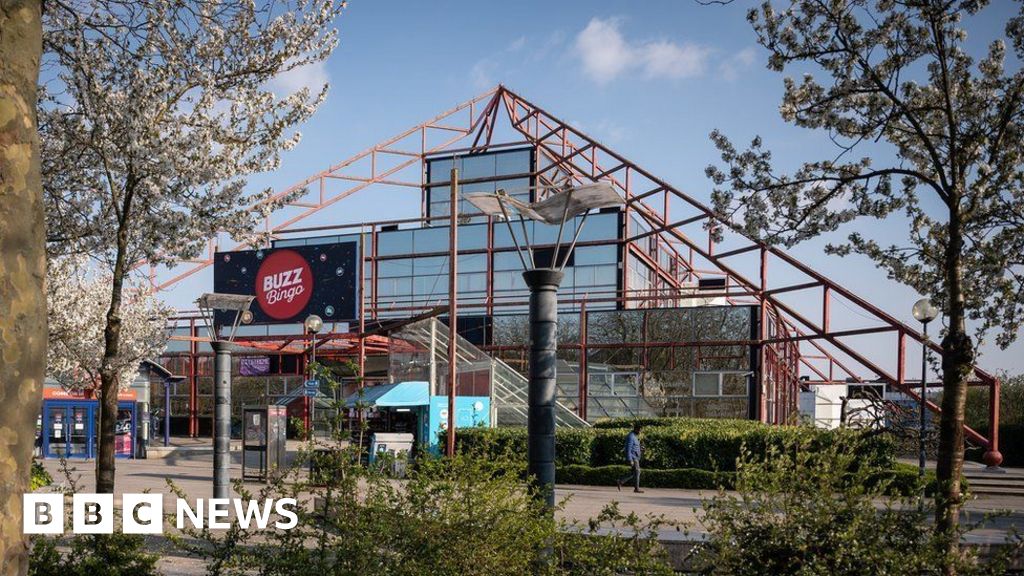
(411, 401)
(70, 419)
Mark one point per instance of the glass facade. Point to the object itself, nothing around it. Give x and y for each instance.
(628, 344)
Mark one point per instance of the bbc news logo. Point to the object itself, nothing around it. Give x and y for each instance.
(144, 513)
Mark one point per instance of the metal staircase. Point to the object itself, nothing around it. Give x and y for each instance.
(422, 353)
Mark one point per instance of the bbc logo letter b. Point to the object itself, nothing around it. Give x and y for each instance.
(43, 513)
(92, 513)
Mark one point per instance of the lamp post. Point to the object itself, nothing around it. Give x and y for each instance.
(924, 312)
(312, 324)
(543, 283)
(208, 305)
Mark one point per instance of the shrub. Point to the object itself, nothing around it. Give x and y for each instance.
(813, 509)
(40, 477)
(682, 443)
(464, 515)
(92, 555)
(700, 423)
(687, 478)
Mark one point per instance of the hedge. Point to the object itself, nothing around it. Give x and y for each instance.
(689, 478)
(689, 444)
(699, 423)
(902, 478)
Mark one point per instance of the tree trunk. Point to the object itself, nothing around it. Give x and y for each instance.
(105, 461)
(22, 269)
(957, 361)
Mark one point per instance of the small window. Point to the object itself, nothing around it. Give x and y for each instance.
(734, 384)
(725, 384)
(705, 384)
(865, 391)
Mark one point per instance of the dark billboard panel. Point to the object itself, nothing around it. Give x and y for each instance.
(291, 283)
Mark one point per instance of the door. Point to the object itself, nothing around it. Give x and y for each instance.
(78, 431)
(55, 420)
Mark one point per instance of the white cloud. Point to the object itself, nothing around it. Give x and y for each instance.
(481, 74)
(731, 67)
(312, 76)
(606, 54)
(516, 45)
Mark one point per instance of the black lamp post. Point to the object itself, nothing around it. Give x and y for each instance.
(924, 312)
(222, 348)
(543, 283)
(312, 324)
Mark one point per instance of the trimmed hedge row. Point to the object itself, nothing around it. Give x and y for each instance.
(679, 422)
(689, 478)
(902, 478)
(696, 444)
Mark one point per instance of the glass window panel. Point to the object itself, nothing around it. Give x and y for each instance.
(515, 187)
(477, 166)
(606, 275)
(502, 238)
(596, 255)
(439, 209)
(585, 275)
(394, 243)
(507, 261)
(475, 188)
(472, 263)
(433, 239)
(440, 169)
(705, 384)
(600, 227)
(615, 327)
(430, 265)
(393, 268)
(513, 162)
(472, 237)
(734, 384)
(431, 286)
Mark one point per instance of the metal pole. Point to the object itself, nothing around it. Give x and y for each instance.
(167, 412)
(221, 418)
(453, 335)
(540, 446)
(921, 432)
(316, 392)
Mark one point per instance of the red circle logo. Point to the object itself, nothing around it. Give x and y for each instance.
(284, 284)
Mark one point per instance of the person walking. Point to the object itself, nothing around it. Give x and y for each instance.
(633, 451)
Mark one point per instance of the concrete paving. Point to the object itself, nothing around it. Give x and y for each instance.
(189, 466)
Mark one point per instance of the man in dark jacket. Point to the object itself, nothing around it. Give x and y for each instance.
(633, 451)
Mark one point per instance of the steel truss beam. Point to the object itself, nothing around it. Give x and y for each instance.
(789, 339)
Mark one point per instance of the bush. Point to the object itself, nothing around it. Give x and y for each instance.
(698, 423)
(687, 478)
(813, 509)
(92, 555)
(40, 477)
(703, 444)
(464, 515)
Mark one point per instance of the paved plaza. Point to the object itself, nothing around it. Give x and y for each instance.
(189, 465)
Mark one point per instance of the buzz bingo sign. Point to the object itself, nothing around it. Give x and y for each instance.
(291, 283)
(284, 284)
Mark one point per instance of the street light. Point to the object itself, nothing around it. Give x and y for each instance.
(924, 312)
(312, 324)
(209, 304)
(557, 208)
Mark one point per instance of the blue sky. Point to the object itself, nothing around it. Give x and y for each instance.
(649, 79)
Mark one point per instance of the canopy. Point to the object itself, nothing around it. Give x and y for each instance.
(400, 395)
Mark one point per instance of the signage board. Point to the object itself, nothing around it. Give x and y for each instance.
(291, 283)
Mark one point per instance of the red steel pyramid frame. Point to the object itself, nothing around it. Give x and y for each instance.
(802, 342)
